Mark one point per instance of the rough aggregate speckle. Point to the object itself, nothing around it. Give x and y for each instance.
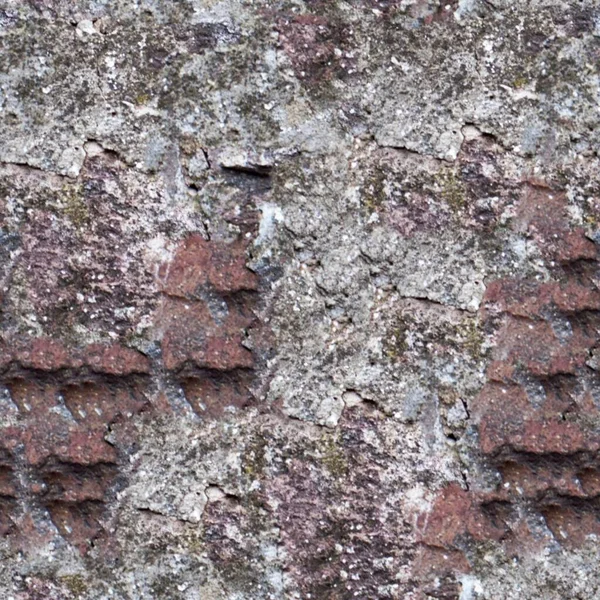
(299, 299)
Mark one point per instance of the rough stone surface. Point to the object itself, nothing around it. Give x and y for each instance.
(299, 299)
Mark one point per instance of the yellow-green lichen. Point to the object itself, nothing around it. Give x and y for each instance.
(74, 206)
(75, 584)
(472, 338)
(452, 189)
(395, 344)
(520, 82)
(373, 191)
(254, 461)
(333, 457)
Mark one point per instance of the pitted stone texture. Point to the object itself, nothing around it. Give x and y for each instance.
(537, 415)
(66, 431)
(299, 298)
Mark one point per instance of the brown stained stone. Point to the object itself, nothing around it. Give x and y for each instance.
(201, 264)
(539, 349)
(79, 522)
(80, 264)
(530, 299)
(417, 214)
(344, 518)
(192, 334)
(306, 40)
(513, 399)
(441, 14)
(534, 481)
(38, 588)
(456, 516)
(572, 525)
(212, 394)
(68, 397)
(115, 359)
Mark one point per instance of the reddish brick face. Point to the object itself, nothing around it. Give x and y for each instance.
(55, 461)
(457, 515)
(538, 411)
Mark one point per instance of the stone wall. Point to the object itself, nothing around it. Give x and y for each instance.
(299, 299)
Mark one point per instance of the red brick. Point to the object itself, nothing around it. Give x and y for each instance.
(72, 484)
(97, 404)
(530, 299)
(506, 402)
(199, 264)
(455, 514)
(212, 394)
(436, 570)
(79, 523)
(68, 396)
(570, 525)
(590, 482)
(6, 355)
(115, 359)
(44, 354)
(7, 478)
(7, 520)
(532, 482)
(47, 432)
(535, 435)
(193, 335)
(536, 347)
(543, 214)
(555, 437)
(574, 246)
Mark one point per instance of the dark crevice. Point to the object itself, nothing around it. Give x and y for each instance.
(262, 171)
(466, 407)
(206, 157)
(465, 480)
